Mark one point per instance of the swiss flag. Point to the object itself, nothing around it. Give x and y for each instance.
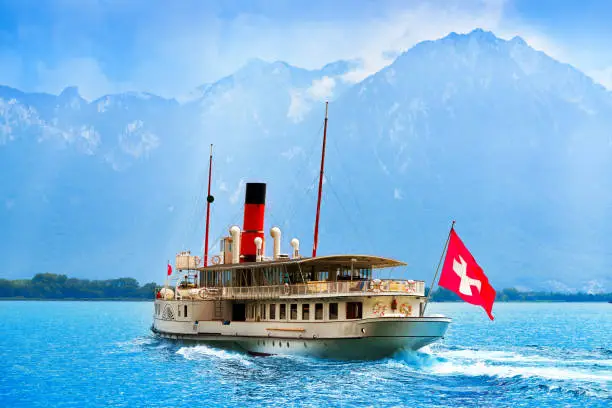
(462, 275)
(169, 269)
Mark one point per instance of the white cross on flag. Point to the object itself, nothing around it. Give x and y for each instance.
(462, 275)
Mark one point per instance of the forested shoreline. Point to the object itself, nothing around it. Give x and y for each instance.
(49, 286)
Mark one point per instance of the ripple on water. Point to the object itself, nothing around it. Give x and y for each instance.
(529, 356)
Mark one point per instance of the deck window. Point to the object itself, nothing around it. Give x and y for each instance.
(333, 311)
(185, 310)
(293, 311)
(251, 310)
(318, 311)
(354, 310)
(305, 311)
(283, 311)
(262, 310)
(273, 311)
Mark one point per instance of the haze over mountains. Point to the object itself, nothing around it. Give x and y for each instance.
(512, 144)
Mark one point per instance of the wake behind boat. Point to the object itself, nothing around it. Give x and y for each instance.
(330, 306)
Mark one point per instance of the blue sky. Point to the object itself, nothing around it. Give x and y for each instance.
(170, 47)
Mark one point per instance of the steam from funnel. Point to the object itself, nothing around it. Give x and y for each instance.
(235, 233)
(275, 232)
(258, 244)
(295, 244)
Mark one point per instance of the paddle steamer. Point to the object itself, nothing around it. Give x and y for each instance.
(330, 306)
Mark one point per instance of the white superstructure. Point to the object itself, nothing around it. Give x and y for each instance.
(327, 306)
(324, 306)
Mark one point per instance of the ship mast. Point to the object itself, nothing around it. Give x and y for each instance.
(316, 228)
(209, 200)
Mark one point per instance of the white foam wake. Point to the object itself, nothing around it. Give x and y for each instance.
(493, 355)
(201, 352)
(513, 357)
(505, 371)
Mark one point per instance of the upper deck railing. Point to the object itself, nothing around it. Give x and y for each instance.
(316, 289)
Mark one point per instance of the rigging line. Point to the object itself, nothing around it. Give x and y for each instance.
(228, 225)
(333, 190)
(308, 157)
(190, 230)
(308, 189)
(360, 211)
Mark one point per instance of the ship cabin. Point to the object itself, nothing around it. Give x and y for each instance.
(246, 285)
(324, 288)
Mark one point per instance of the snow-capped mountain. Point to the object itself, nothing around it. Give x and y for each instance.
(512, 144)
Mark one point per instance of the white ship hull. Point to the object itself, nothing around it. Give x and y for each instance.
(365, 339)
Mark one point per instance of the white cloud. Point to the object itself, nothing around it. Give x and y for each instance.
(186, 39)
(398, 194)
(236, 194)
(322, 89)
(428, 21)
(85, 73)
(302, 100)
(298, 107)
(292, 152)
(603, 76)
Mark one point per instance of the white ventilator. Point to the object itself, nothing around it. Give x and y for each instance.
(295, 244)
(258, 244)
(275, 232)
(235, 233)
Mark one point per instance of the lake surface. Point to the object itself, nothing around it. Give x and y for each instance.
(90, 354)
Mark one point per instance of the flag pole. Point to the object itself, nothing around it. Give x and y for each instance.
(433, 282)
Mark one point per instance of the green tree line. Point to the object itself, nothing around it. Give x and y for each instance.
(514, 295)
(53, 286)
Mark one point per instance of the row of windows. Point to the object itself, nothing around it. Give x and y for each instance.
(158, 310)
(354, 310)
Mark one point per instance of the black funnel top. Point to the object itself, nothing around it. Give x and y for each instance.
(255, 193)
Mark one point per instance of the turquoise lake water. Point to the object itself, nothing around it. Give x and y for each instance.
(96, 354)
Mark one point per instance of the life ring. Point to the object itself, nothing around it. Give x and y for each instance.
(406, 309)
(216, 260)
(375, 285)
(411, 287)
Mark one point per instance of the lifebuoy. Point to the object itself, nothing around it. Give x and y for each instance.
(216, 260)
(375, 285)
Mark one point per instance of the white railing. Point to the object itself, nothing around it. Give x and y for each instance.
(319, 288)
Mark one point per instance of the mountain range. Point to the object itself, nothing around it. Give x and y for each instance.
(512, 144)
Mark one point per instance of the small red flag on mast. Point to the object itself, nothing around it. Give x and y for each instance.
(463, 276)
(169, 269)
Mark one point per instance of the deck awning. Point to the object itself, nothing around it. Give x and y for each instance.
(357, 261)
